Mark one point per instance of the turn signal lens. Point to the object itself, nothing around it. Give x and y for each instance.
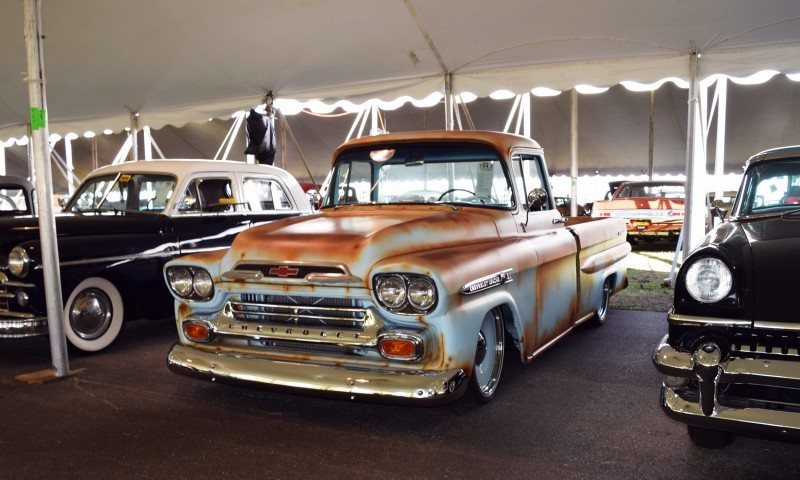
(400, 346)
(197, 332)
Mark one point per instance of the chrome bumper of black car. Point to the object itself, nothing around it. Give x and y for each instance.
(695, 391)
(19, 325)
(373, 384)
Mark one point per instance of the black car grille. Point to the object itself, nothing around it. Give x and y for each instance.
(767, 342)
(297, 310)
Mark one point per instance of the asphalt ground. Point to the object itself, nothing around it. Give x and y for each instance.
(587, 408)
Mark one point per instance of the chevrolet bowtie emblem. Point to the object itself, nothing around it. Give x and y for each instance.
(283, 271)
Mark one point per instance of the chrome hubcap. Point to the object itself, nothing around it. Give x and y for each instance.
(90, 314)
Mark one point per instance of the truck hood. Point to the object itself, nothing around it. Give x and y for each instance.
(776, 266)
(358, 237)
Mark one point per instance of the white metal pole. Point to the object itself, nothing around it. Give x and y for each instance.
(2, 159)
(722, 111)
(44, 186)
(573, 146)
(526, 126)
(134, 134)
(70, 167)
(148, 143)
(448, 101)
(693, 221)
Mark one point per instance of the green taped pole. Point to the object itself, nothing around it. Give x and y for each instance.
(38, 118)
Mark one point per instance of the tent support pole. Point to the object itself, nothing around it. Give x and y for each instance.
(573, 147)
(694, 220)
(70, 165)
(448, 101)
(134, 134)
(44, 186)
(719, 159)
(2, 159)
(651, 139)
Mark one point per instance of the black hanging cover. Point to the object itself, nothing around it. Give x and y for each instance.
(261, 137)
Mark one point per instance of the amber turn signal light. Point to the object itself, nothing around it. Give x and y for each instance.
(398, 348)
(197, 332)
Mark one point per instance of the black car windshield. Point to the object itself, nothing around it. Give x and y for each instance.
(771, 186)
(454, 173)
(123, 192)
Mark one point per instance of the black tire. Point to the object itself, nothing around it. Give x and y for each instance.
(601, 311)
(488, 357)
(93, 315)
(705, 438)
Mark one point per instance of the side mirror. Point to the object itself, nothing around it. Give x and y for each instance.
(537, 198)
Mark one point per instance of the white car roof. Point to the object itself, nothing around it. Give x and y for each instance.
(184, 167)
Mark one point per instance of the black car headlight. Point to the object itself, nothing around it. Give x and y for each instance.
(18, 262)
(405, 293)
(193, 283)
(708, 280)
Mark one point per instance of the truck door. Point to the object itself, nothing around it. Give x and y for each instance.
(550, 250)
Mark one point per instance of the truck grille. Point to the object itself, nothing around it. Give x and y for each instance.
(784, 344)
(296, 310)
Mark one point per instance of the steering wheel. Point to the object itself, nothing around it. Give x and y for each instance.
(454, 190)
(5, 199)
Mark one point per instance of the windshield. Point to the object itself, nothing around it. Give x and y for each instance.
(770, 187)
(124, 191)
(453, 173)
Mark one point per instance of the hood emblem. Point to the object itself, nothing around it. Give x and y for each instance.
(283, 271)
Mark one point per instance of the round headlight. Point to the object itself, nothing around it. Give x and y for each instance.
(421, 293)
(392, 291)
(18, 261)
(203, 284)
(180, 280)
(708, 280)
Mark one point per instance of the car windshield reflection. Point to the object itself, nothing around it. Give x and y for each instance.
(457, 174)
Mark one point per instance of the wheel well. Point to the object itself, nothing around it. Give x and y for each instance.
(510, 325)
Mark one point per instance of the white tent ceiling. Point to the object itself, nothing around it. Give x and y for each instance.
(179, 61)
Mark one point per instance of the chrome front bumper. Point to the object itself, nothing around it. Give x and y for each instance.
(364, 383)
(20, 326)
(707, 412)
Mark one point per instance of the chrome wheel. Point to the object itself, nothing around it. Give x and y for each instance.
(488, 357)
(93, 315)
(605, 298)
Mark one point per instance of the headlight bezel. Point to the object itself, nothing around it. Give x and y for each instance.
(704, 269)
(190, 282)
(392, 291)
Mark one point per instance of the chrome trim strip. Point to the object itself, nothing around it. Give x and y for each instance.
(245, 274)
(767, 325)
(485, 283)
(12, 283)
(118, 259)
(706, 321)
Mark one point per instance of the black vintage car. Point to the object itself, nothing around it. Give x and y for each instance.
(731, 360)
(119, 229)
(16, 196)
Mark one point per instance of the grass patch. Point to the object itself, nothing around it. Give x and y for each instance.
(645, 292)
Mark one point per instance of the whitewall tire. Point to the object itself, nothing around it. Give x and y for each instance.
(93, 315)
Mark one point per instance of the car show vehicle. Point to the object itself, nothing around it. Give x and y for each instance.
(16, 196)
(652, 209)
(433, 253)
(731, 360)
(119, 229)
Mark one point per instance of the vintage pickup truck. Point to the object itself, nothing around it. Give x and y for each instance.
(432, 252)
(731, 360)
